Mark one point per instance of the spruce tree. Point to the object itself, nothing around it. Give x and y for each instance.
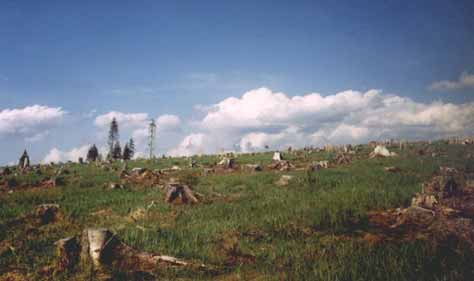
(131, 147)
(116, 151)
(126, 152)
(92, 154)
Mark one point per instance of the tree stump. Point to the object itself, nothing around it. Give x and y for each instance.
(180, 191)
(47, 213)
(68, 252)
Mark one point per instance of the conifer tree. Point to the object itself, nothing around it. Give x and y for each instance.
(116, 151)
(131, 147)
(127, 152)
(92, 154)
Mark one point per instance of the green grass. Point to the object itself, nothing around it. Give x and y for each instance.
(306, 230)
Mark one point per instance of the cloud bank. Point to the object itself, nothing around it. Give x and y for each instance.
(261, 117)
(31, 122)
(55, 155)
(465, 81)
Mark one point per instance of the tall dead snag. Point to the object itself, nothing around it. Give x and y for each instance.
(181, 192)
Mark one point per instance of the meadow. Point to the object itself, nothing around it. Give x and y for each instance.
(246, 227)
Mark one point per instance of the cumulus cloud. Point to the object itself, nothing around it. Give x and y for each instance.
(466, 80)
(167, 122)
(137, 120)
(37, 137)
(55, 155)
(262, 117)
(191, 145)
(30, 122)
(126, 120)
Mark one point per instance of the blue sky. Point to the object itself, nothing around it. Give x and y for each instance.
(186, 58)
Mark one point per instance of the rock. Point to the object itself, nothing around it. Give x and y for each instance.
(284, 180)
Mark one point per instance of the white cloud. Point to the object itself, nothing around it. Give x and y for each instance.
(466, 80)
(137, 120)
(262, 108)
(38, 137)
(261, 117)
(55, 155)
(190, 145)
(125, 120)
(29, 122)
(167, 122)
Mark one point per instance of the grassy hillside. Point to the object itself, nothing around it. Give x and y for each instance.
(246, 227)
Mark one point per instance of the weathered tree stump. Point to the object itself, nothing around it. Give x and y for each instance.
(179, 191)
(227, 163)
(47, 213)
(342, 159)
(104, 251)
(68, 252)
